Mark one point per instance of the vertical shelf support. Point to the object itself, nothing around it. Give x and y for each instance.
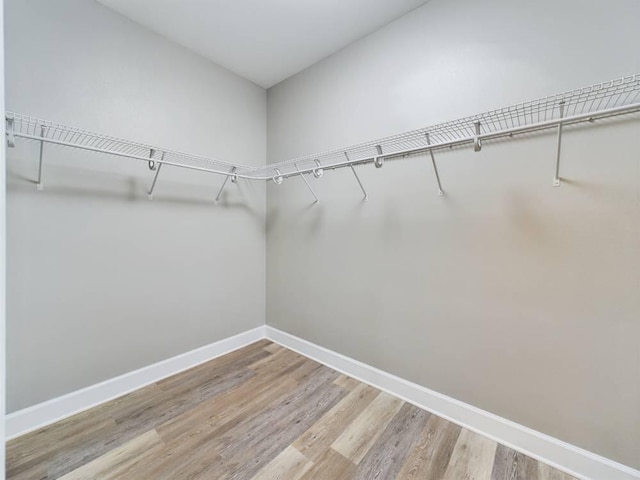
(39, 185)
(355, 174)
(556, 178)
(308, 186)
(234, 179)
(11, 139)
(435, 167)
(158, 166)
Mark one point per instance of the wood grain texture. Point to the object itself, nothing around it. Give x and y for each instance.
(359, 437)
(263, 413)
(472, 457)
(289, 465)
(347, 383)
(331, 466)
(388, 454)
(273, 348)
(511, 465)
(430, 458)
(545, 472)
(317, 439)
(113, 463)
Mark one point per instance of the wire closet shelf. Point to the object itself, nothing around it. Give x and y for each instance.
(615, 97)
(611, 98)
(32, 128)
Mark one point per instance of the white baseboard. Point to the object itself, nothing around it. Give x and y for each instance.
(42, 414)
(566, 457)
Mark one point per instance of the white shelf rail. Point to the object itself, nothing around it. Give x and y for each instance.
(45, 131)
(615, 97)
(587, 104)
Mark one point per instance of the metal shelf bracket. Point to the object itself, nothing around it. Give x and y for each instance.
(366, 196)
(158, 166)
(39, 185)
(556, 178)
(308, 185)
(435, 167)
(234, 179)
(611, 98)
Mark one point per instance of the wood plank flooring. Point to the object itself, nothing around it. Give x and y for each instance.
(263, 413)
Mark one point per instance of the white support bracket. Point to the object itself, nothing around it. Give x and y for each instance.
(234, 179)
(308, 185)
(435, 167)
(11, 139)
(477, 143)
(40, 185)
(366, 195)
(157, 166)
(556, 178)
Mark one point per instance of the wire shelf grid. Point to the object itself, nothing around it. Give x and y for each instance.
(608, 98)
(34, 128)
(527, 116)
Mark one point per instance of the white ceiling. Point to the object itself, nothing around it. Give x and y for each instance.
(265, 41)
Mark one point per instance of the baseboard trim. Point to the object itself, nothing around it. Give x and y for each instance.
(46, 413)
(561, 455)
(566, 457)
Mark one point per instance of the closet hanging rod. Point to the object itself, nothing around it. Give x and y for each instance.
(624, 110)
(590, 116)
(44, 131)
(135, 157)
(615, 97)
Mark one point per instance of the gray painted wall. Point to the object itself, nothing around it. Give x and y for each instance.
(3, 250)
(509, 294)
(100, 280)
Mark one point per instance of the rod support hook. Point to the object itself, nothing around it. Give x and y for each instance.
(157, 167)
(277, 178)
(477, 143)
(318, 171)
(152, 164)
(11, 139)
(378, 161)
(234, 179)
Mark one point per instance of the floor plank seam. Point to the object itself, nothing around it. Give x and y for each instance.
(263, 412)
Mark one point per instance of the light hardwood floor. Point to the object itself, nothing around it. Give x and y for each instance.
(263, 413)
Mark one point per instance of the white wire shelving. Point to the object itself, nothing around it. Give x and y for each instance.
(615, 97)
(45, 131)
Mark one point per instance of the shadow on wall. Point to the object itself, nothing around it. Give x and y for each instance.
(128, 188)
